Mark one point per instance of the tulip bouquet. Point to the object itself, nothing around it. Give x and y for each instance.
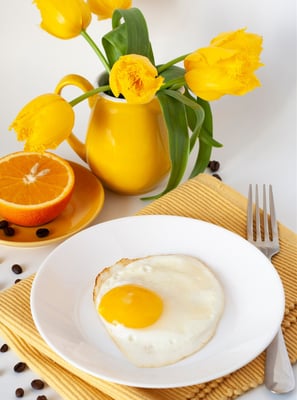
(184, 86)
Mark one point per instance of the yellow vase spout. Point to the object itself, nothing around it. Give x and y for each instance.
(126, 144)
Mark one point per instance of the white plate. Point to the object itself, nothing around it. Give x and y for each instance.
(62, 308)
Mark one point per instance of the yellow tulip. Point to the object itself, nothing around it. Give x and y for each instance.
(225, 67)
(44, 122)
(64, 19)
(136, 78)
(105, 8)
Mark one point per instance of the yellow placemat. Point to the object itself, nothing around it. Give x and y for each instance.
(205, 198)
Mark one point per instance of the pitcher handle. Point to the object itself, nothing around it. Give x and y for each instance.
(79, 81)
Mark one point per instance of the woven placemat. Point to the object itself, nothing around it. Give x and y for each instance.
(205, 198)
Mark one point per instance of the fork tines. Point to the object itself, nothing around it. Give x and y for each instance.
(269, 231)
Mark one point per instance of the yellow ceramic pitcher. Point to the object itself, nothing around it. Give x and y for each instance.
(126, 145)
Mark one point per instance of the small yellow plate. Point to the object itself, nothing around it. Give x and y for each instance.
(85, 204)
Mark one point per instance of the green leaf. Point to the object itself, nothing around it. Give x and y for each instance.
(209, 139)
(185, 100)
(173, 72)
(205, 147)
(197, 129)
(194, 111)
(115, 44)
(128, 37)
(195, 117)
(192, 118)
(175, 117)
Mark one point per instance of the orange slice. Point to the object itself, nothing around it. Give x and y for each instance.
(34, 187)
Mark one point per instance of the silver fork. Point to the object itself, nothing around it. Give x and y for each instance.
(279, 376)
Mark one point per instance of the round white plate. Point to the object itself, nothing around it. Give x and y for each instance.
(63, 311)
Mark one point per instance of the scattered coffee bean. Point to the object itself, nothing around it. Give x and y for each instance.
(4, 348)
(3, 224)
(37, 384)
(17, 269)
(20, 367)
(17, 280)
(217, 176)
(214, 165)
(42, 397)
(42, 232)
(9, 231)
(19, 392)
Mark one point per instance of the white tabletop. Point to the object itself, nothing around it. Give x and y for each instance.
(258, 130)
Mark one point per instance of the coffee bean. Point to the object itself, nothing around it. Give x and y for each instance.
(9, 231)
(217, 176)
(37, 384)
(214, 165)
(17, 280)
(42, 232)
(3, 224)
(42, 397)
(20, 367)
(4, 348)
(19, 392)
(17, 269)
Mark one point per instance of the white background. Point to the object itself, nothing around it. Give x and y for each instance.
(258, 130)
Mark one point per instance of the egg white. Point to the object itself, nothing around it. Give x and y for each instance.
(193, 302)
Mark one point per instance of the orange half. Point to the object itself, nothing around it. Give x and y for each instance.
(34, 187)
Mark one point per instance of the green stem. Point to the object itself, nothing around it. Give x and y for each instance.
(96, 49)
(177, 83)
(90, 93)
(176, 60)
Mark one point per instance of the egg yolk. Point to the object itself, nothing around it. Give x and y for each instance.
(131, 305)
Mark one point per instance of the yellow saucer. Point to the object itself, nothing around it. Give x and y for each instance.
(86, 202)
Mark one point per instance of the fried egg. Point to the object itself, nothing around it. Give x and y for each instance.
(159, 309)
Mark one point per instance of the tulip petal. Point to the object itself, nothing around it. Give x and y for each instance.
(227, 66)
(105, 8)
(135, 77)
(64, 19)
(44, 123)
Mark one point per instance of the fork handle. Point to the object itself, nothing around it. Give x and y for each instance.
(279, 375)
